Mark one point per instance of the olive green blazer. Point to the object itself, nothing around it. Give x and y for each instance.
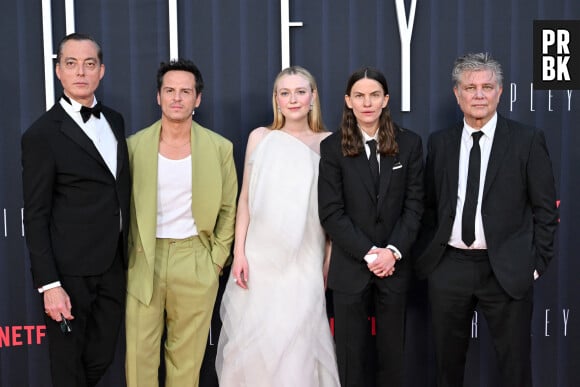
(214, 191)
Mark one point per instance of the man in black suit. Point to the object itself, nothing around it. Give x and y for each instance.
(370, 194)
(76, 206)
(490, 221)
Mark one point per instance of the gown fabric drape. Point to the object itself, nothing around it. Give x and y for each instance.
(276, 333)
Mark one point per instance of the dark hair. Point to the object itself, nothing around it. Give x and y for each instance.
(352, 140)
(76, 36)
(180, 65)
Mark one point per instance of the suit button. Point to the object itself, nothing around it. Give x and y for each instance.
(379, 220)
(442, 244)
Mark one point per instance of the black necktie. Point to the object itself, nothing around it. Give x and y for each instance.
(87, 111)
(373, 162)
(472, 191)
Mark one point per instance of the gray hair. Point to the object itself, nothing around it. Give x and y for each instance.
(476, 62)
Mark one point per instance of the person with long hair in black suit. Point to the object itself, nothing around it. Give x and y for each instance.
(370, 203)
(76, 187)
(489, 225)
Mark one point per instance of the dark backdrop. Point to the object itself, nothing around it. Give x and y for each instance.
(237, 46)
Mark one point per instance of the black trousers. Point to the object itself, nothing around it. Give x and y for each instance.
(462, 281)
(81, 357)
(362, 361)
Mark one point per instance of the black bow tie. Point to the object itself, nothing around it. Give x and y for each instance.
(87, 111)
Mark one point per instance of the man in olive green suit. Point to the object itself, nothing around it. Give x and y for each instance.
(182, 226)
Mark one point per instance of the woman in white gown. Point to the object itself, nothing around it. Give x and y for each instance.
(275, 329)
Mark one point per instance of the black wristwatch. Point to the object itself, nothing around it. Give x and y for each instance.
(397, 255)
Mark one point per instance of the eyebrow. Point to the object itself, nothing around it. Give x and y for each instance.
(378, 91)
(77, 59)
(177, 88)
(298, 88)
(476, 84)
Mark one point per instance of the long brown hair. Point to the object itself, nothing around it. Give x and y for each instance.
(352, 140)
(314, 116)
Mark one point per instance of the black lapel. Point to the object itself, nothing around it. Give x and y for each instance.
(499, 148)
(120, 136)
(386, 170)
(70, 129)
(361, 164)
(452, 147)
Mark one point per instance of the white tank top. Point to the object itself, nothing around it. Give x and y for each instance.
(174, 217)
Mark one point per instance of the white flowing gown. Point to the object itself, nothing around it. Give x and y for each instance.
(276, 333)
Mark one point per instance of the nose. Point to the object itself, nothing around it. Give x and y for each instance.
(292, 97)
(367, 100)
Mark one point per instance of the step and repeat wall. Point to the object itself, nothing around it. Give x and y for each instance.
(240, 46)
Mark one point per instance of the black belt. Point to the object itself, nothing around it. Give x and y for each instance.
(468, 252)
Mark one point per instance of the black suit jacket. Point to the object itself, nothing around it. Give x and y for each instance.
(518, 206)
(72, 202)
(357, 220)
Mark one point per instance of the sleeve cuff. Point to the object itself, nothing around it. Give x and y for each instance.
(396, 252)
(49, 286)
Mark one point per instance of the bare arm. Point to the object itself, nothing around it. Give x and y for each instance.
(240, 267)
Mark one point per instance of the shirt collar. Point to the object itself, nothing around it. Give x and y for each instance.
(76, 107)
(366, 137)
(488, 129)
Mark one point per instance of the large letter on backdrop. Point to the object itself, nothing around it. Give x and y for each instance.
(173, 35)
(285, 25)
(69, 9)
(405, 32)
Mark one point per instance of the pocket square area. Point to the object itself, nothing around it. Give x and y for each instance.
(397, 166)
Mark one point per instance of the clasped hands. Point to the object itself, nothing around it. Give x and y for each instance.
(384, 263)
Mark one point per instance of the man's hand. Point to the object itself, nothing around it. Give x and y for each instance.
(384, 264)
(57, 301)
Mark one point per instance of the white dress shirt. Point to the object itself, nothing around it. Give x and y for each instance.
(98, 130)
(366, 138)
(485, 143)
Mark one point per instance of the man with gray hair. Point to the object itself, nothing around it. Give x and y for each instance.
(490, 219)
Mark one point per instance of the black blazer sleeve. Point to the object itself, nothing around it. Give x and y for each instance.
(408, 222)
(542, 196)
(38, 179)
